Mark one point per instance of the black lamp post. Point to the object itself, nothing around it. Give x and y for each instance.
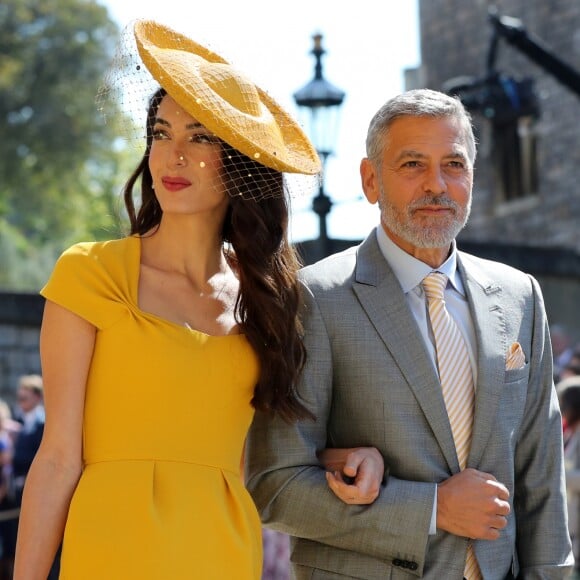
(321, 100)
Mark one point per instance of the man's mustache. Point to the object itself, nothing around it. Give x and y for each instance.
(436, 200)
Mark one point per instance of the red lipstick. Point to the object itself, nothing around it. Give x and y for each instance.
(175, 183)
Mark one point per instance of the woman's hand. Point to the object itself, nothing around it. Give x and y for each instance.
(354, 475)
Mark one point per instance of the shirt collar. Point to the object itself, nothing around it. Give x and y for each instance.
(410, 271)
(31, 417)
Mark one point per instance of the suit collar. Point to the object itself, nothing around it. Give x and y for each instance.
(484, 295)
(371, 267)
(470, 268)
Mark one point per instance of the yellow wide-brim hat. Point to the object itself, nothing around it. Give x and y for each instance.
(224, 101)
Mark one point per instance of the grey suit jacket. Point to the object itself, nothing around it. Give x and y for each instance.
(370, 382)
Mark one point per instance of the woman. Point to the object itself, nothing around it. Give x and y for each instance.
(157, 347)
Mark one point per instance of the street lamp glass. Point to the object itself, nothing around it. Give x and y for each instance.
(319, 103)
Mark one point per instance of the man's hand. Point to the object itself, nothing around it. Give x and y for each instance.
(354, 475)
(472, 504)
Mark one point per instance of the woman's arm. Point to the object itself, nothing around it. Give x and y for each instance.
(66, 349)
(354, 475)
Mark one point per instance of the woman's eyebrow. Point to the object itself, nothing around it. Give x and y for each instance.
(194, 125)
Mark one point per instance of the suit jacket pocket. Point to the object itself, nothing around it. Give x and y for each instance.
(513, 399)
(517, 375)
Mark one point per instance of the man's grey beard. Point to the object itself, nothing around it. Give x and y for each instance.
(425, 233)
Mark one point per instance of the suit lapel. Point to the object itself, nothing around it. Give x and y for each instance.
(380, 295)
(484, 296)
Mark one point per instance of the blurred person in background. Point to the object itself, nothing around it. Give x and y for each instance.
(562, 349)
(569, 397)
(8, 511)
(30, 414)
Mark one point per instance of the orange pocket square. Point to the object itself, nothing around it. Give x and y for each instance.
(515, 357)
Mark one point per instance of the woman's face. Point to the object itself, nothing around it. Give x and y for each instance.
(185, 162)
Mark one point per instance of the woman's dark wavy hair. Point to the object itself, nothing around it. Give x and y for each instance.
(268, 303)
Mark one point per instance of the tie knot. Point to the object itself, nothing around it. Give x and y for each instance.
(434, 285)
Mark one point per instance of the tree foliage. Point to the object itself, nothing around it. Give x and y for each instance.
(59, 169)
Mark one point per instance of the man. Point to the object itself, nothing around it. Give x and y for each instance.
(30, 412)
(476, 485)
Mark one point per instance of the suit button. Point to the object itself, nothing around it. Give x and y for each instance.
(414, 566)
(397, 562)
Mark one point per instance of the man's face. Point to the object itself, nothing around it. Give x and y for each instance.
(423, 185)
(27, 399)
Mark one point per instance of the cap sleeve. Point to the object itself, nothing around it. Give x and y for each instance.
(85, 281)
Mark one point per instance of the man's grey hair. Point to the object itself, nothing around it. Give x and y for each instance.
(417, 103)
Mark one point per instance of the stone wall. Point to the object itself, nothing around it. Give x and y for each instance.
(20, 317)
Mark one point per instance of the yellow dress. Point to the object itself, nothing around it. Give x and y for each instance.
(166, 415)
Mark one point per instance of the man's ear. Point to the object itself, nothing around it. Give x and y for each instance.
(369, 180)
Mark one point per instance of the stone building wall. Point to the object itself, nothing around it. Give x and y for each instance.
(20, 317)
(455, 37)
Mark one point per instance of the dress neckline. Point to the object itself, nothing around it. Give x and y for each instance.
(135, 276)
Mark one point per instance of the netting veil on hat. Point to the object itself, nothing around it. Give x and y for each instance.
(211, 90)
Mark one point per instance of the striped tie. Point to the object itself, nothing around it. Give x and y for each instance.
(456, 381)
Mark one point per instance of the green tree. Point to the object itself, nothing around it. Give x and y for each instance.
(59, 168)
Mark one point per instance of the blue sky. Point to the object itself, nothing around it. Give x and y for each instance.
(368, 45)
